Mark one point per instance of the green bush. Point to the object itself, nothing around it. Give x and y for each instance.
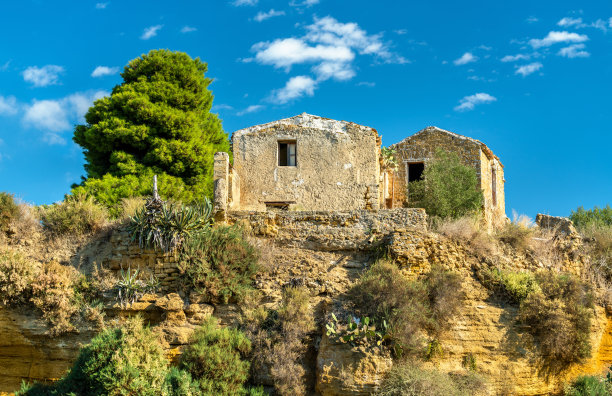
(127, 360)
(16, 276)
(9, 210)
(516, 286)
(180, 383)
(448, 189)
(564, 304)
(597, 217)
(216, 359)
(220, 262)
(384, 294)
(76, 215)
(588, 385)
(408, 379)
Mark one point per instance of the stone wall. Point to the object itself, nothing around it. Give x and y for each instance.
(337, 166)
(328, 231)
(422, 146)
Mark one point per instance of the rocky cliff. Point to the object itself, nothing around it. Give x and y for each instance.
(327, 255)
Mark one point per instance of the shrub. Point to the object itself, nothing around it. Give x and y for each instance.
(77, 214)
(448, 188)
(410, 380)
(384, 294)
(127, 360)
(180, 383)
(215, 358)
(280, 340)
(16, 276)
(445, 297)
(53, 293)
(517, 233)
(597, 217)
(588, 385)
(468, 230)
(9, 210)
(130, 288)
(564, 304)
(516, 286)
(165, 226)
(221, 262)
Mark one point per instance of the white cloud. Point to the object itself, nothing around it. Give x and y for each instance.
(101, 6)
(526, 70)
(329, 46)
(283, 53)
(262, 16)
(41, 77)
(55, 116)
(466, 58)
(574, 51)
(239, 3)
(251, 109)
(222, 106)
(304, 3)
(8, 105)
(401, 32)
(514, 58)
(469, 102)
(296, 87)
(558, 37)
(569, 21)
(151, 31)
(366, 84)
(610, 22)
(101, 71)
(600, 24)
(531, 19)
(188, 29)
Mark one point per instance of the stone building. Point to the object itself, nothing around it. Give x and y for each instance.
(413, 153)
(311, 163)
(300, 163)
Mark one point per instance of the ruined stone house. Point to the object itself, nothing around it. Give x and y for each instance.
(311, 163)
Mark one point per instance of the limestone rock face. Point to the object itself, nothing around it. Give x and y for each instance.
(346, 370)
(28, 353)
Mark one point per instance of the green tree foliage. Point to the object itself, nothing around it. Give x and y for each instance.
(448, 189)
(593, 217)
(157, 121)
(128, 360)
(215, 359)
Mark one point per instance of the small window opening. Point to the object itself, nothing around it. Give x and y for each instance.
(494, 186)
(415, 171)
(287, 153)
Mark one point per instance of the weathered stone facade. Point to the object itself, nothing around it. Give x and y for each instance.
(420, 148)
(334, 166)
(307, 163)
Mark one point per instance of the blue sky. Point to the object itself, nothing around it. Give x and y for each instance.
(530, 79)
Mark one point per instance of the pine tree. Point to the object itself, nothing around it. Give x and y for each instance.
(157, 121)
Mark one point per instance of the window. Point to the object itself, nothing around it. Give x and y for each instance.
(494, 186)
(287, 153)
(414, 171)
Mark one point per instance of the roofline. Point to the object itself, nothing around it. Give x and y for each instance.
(485, 149)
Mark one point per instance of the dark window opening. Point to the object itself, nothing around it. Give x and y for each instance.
(415, 171)
(287, 153)
(493, 186)
(278, 205)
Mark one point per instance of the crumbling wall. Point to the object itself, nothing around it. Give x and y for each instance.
(337, 165)
(422, 146)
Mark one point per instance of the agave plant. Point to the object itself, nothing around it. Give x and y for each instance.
(130, 288)
(165, 226)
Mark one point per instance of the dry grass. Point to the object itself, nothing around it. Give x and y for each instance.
(469, 231)
(76, 215)
(130, 206)
(16, 276)
(280, 339)
(518, 233)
